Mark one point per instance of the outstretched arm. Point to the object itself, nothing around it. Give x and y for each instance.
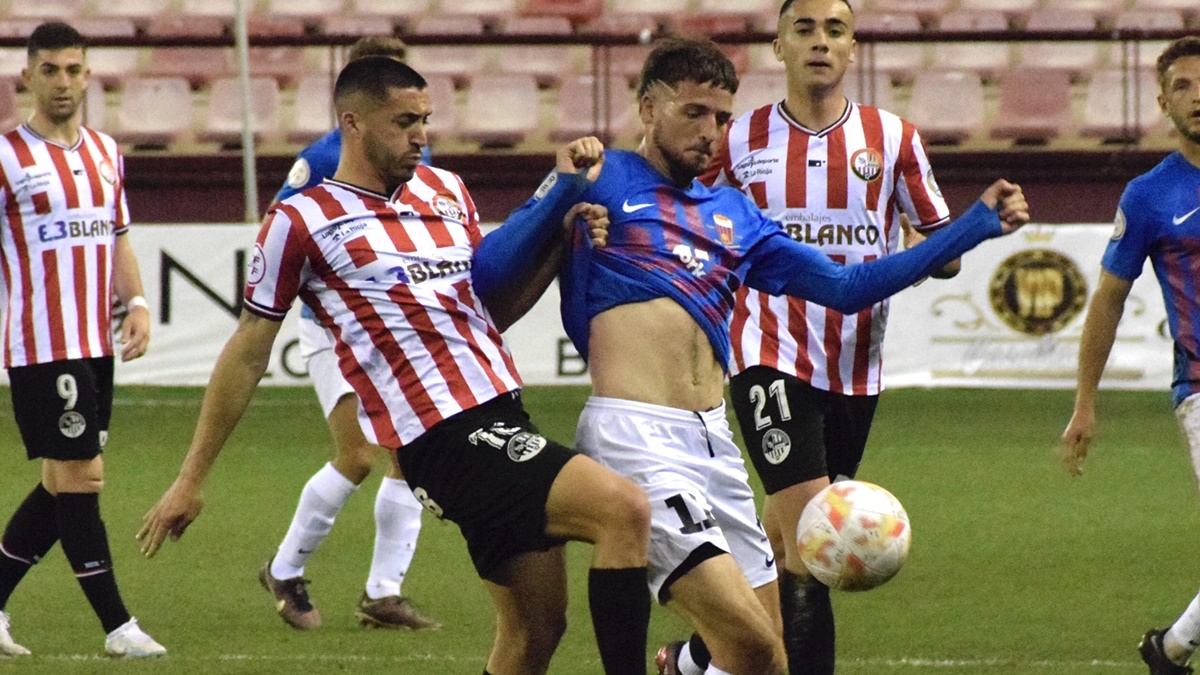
(1099, 332)
(782, 265)
(239, 368)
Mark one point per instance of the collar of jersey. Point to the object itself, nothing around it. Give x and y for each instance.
(361, 190)
(43, 139)
(783, 112)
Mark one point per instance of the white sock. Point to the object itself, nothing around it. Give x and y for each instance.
(687, 666)
(397, 526)
(1184, 635)
(322, 498)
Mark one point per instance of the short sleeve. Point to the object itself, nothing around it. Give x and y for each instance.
(275, 270)
(917, 192)
(1126, 253)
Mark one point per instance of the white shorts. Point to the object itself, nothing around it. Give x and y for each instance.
(1188, 415)
(694, 476)
(316, 348)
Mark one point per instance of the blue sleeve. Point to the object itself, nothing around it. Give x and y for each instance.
(779, 265)
(507, 252)
(318, 165)
(1126, 253)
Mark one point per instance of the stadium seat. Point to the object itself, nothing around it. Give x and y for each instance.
(661, 9)
(313, 109)
(536, 25)
(985, 58)
(888, 24)
(1119, 107)
(1068, 19)
(178, 25)
(57, 10)
(459, 62)
(762, 58)
(898, 60)
(10, 114)
(576, 109)
(490, 11)
(1149, 19)
(111, 65)
(95, 108)
(1077, 58)
(18, 28)
(153, 111)
(946, 106)
(1180, 5)
(858, 86)
(502, 110)
(623, 61)
(707, 25)
(221, 8)
(224, 122)
(443, 123)
(357, 25)
(1102, 9)
(138, 10)
(1010, 7)
(269, 25)
(1145, 52)
(577, 11)
(548, 63)
(925, 8)
(1034, 106)
(288, 65)
(305, 9)
(199, 65)
(747, 9)
(757, 89)
(105, 26)
(406, 12)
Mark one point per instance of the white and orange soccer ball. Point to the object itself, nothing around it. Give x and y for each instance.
(853, 535)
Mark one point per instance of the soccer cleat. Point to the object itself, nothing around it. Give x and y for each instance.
(394, 611)
(7, 646)
(291, 599)
(667, 658)
(129, 641)
(1151, 649)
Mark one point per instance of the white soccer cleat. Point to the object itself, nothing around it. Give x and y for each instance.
(7, 646)
(131, 642)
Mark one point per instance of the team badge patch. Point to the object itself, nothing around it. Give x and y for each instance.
(547, 183)
(257, 267)
(525, 446)
(724, 228)
(1118, 225)
(867, 164)
(776, 446)
(72, 424)
(107, 172)
(448, 207)
(931, 183)
(299, 175)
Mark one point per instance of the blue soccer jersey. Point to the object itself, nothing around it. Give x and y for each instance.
(697, 245)
(1159, 218)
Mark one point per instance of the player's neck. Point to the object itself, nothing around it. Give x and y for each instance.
(64, 133)
(816, 109)
(1191, 151)
(359, 176)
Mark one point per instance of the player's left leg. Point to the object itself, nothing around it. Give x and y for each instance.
(531, 612)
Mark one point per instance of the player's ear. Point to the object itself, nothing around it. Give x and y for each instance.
(646, 107)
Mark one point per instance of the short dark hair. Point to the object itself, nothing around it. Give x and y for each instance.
(1184, 46)
(378, 45)
(788, 3)
(53, 36)
(374, 75)
(699, 60)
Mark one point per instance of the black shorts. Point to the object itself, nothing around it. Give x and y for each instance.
(63, 407)
(824, 434)
(489, 471)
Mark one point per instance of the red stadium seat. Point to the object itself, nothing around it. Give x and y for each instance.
(1102, 9)
(358, 25)
(459, 62)
(139, 10)
(443, 124)
(488, 10)
(1010, 7)
(885, 24)
(985, 58)
(624, 61)
(199, 65)
(221, 8)
(577, 107)
(305, 9)
(111, 65)
(501, 110)
(946, 106)
(577, 11)
(898, 60)
(105, 27)
(186, 26)
(153, 111)
(95, 109)
(1120, 106)
(925, 8)
(406, 12)
(57, 10)
(314, 109)
(757, 89)
(1035, 106)
(288, 65)
(661, 9)
(1150, 19)
(224, 122)
(10, 114)
(859, 87)
(1180, 5)
(536, 25)
(548, 63)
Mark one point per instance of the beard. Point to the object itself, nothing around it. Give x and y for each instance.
(391, 168)
(1181, 124)
(682, 169)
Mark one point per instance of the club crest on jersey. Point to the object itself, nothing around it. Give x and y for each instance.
(867, 164)
(72, 424)
(448, 207)
(724, 228)
(107, 172)
(776, 446)
(525, 446)
(931, 183)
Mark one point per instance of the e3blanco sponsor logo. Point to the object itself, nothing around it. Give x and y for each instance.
(72, 424)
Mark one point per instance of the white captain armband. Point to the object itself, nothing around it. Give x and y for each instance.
(137, 301)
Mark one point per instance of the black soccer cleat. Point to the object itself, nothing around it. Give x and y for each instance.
(1151, 649)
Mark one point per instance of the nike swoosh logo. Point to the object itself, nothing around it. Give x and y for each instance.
(770, 561)
(631, 208)
(1178, 220)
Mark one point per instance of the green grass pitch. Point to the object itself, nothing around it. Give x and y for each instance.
(1016, 568)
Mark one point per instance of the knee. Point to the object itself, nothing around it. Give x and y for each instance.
(628, 511)
(758, 651)
(355, 460)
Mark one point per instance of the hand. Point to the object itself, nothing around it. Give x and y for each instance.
(1073, 445)
(594, 219)
(1009, 203)
(911, 236)
(579, 154)
(177, 508)
(135, 333)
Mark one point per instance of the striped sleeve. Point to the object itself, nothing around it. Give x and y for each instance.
(274, 274)
(916, 190)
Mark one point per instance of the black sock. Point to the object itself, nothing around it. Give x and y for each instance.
(808, 631)
(31, 532)
(699, 651)
(620, 604)
(85, 542)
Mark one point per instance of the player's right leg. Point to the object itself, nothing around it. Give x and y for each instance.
(531, 612)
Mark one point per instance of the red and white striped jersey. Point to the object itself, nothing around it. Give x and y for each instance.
(841, 190)
(391, 278)
(62, 209)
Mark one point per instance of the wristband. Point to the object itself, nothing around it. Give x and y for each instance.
(137, 301)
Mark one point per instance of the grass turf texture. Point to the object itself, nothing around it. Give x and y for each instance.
(1015, 568)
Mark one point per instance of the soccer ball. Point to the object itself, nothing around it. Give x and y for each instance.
(853, 536)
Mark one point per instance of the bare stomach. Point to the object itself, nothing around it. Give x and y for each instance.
(654, 352)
